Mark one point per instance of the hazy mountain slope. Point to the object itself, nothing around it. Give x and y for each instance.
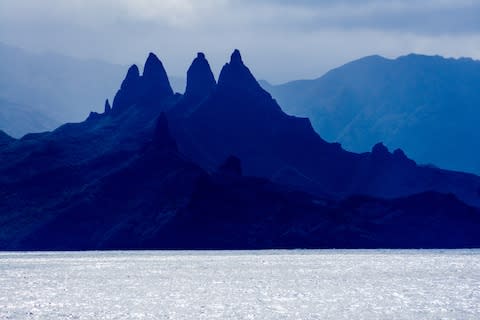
(427, 105)
(62, 88)
(44, 90)
(16, 120)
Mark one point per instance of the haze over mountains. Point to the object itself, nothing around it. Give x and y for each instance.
(221, 166)
(427, 105)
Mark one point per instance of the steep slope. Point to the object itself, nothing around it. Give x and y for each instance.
(426, 105)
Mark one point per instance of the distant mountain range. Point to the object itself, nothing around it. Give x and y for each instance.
(221, 166)
(427, 105)
(38, 92)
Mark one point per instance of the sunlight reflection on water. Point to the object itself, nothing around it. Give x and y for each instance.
(284, 284)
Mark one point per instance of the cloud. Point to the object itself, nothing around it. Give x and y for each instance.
(419, 17)
(280, 40)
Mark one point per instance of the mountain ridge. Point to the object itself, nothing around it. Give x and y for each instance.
(230, 170)
(406, 102)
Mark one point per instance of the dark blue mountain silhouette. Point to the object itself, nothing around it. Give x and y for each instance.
(219, 167)
(5, 138)
(200, 79)
(241, 118)
(426, 105)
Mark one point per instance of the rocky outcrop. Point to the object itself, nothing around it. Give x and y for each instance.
(129, 92)
(147, 90)
(107, 108)
(236, 76)
(94, 116)
(155, 84)
(381, 155)
(200, 79)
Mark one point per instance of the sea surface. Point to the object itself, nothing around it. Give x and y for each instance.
(289, 284)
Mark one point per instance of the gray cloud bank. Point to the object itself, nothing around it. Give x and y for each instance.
(281, 40)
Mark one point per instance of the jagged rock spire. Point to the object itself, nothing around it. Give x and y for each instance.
(129, 90)
(108, 108)
(133, 75)
(200, 79)
(236, 57)
(380, 148)
(236, 75)
(146, 90)
(380, 152)
(155, 77)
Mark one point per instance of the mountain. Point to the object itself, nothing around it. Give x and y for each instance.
(241, 118)
(221, 166)
(426, 105)
(40, 91)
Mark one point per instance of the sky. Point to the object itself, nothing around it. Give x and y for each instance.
(280, 40)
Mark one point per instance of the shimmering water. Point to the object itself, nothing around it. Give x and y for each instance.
(331, 284)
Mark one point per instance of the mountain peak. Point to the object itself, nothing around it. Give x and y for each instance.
(128, 90)
(236, 57)
(108, 108)
(380, 152)
(200, 79)
(380, 148)
(133, 74)
(237, 76)
(155, 76)
(148, 89)
(152, 65)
